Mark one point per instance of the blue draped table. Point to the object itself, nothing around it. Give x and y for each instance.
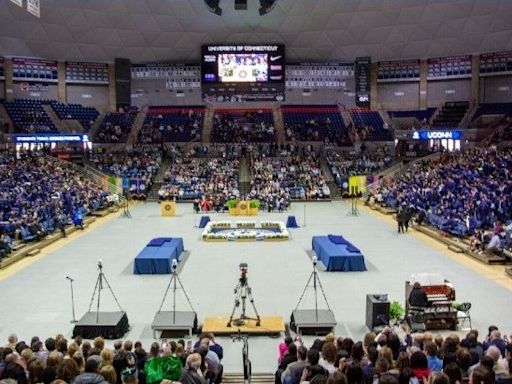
(157, 256)
(338, 257)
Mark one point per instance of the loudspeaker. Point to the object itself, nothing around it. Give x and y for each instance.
(123, 74)
(241, 5)
(377, 310)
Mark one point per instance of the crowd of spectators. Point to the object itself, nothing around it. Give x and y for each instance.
(296, 175)
(165, 125)
(116, 126)
(243, 128)
(394, 356)
(55, 360)
(317, 130)
(38, 195)
(140, 164)
(459, 193)
(343, 166)
(189, 178)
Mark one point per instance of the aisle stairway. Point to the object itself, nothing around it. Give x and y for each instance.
(159, 180)
(279, 125)
(244, 176)
(4, 116)
(53, 117)
(207, 125)
(137, 125)
(256, 378)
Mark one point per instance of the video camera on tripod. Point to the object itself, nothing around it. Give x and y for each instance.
(242, 292)
(243, 274)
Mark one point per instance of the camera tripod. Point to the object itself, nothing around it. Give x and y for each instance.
(316, 282)
(174, 281)
(98, 287)
(243, 291)
(126, 206)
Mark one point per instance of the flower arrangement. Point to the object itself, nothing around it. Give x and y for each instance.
(246, 224)
(245, 231)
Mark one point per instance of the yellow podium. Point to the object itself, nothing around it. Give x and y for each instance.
(243, 208)
(168, 208)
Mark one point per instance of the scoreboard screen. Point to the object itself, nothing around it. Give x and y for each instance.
(243, 72)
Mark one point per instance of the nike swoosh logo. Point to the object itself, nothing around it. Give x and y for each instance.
(274, 58)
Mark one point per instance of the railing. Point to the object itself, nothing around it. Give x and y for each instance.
(93, 174)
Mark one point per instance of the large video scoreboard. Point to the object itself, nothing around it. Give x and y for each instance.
(243, 72)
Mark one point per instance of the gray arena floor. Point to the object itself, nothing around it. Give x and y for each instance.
(36, 300)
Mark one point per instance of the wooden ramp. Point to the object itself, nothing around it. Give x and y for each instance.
(270, 325)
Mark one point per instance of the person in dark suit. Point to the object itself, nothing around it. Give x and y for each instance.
(418, 297)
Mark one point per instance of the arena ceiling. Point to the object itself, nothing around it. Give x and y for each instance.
(313, 30)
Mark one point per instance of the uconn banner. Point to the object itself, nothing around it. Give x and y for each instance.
(137, 187)
(437, 135)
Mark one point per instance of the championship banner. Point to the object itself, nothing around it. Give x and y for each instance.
(86, 73)
(496, 63)
(19, 3)
(137, 187)
(34, 69)
(405, 70)
(450, 67)
(34, 7)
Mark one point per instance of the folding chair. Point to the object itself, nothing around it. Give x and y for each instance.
(463, 315)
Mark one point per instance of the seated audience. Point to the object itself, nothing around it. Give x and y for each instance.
(38, 195)
(459, 193)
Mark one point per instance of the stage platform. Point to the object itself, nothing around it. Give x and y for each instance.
(109, 325)
(180, 321)
(270, 325)
(311, 322)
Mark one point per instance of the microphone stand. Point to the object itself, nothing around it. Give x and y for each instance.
(72, 299)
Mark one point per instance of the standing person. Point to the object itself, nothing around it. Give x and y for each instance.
(400, 218)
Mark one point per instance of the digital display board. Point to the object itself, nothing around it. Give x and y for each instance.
(50, 138)
(362, 75)
(243, 72)
(435, 135)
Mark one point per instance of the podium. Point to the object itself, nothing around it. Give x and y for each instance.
(168, 208)
(243, 208)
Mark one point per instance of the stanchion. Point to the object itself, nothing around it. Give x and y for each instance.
(353, 208)
(72, 299)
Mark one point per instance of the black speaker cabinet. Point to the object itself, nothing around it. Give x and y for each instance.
(123, 82)
(377, 310)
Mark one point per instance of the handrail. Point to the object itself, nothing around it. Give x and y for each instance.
(92, 174)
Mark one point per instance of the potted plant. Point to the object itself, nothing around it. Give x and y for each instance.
(396, 312)
(231, 205)
(254, 207)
